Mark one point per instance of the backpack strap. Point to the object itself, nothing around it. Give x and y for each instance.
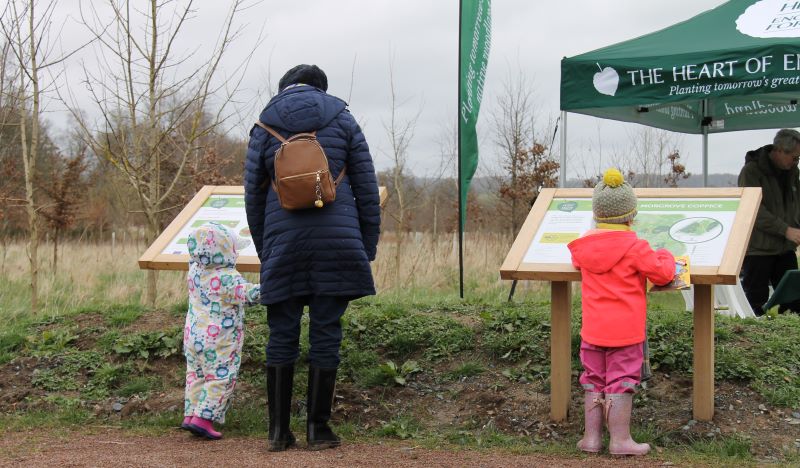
(277, 135)
(339, 177)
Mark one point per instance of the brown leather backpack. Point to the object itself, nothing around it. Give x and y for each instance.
(302, 176)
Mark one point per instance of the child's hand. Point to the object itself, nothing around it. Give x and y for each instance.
(247, 292)
(253, 293)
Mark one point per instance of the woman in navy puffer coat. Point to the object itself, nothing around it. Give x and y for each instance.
(316, 257)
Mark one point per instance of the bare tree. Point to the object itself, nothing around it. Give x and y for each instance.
(400, 131)
(447, 170)
(526, 156)
(648, 156)
(26, 28)
(9, 132)
(153, 103)
(593, 158)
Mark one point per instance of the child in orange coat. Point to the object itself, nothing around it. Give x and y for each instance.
(615, 265)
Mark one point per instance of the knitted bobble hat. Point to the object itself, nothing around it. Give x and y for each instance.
(613, 200)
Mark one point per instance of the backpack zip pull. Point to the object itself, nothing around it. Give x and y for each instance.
(318, 188)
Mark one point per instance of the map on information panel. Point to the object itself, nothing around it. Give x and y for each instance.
(697, 227)
(227, 210)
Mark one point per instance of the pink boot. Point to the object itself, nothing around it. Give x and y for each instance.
(618, 415)
(185, 424)
(204, 427)
(593, 423)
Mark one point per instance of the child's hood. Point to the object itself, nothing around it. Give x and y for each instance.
(212, 245)
(599, 252)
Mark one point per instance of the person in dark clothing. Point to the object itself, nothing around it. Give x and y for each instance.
(317, 257)
(776, 233)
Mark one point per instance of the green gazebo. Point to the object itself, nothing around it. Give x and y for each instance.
(735, 67)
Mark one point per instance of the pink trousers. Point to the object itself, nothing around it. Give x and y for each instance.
(611, 370)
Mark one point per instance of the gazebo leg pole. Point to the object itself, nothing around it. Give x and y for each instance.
(560, 349)
(703, 379)
(562, 171)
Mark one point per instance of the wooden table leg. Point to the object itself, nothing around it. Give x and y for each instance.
(703, 385)
(560, 349)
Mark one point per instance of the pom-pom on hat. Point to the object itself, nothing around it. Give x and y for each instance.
(613, 200)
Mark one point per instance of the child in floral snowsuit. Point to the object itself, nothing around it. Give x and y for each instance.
(212, 338)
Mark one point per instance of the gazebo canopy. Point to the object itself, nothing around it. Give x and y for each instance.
(735, 67)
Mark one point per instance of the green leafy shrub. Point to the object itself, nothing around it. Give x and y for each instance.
(359, 364)
(66, 372)
(51, 341)
(400, 375)
(400, 336)
(779, 384)
(144, 345)
(401, 427)
(733, 363)
(528, 372)
(671, 345)
(107, 341)
(515, 334)
(105, 378)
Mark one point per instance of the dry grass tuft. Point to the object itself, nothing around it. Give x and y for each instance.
(91, 273)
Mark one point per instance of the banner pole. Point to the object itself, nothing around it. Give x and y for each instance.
(460, 188)
(562, 180)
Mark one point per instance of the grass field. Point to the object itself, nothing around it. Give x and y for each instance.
(478, 368)
(98, 274)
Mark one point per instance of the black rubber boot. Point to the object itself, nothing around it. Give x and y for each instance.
(279, 401)
(321, 384)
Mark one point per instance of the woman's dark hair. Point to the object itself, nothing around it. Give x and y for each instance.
(311, 75)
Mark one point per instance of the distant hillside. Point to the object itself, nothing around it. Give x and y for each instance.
(482, 184)
(695, 180)
(714, 180)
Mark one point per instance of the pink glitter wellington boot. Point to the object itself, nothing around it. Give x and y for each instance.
(204, 428)
(592, 441)
(618, 416)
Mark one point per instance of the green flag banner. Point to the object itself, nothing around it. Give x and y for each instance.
(475, 26)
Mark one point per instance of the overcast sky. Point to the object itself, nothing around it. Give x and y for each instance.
(354, 42)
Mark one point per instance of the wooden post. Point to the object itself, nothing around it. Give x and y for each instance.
(560, 349)
(703, 380)
(523, 263)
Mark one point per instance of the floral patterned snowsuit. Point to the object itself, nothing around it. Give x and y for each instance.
(214, 330)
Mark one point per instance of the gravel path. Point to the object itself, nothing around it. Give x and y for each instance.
(113, 447)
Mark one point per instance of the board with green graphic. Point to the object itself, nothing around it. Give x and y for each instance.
(219, 204)
(700, 223)
(697, 226)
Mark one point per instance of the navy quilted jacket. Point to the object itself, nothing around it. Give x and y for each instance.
(319, 251)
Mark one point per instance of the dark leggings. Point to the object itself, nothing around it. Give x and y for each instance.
(324, 334)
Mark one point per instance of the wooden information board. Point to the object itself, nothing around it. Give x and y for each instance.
(711, 225)
(221, 203)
